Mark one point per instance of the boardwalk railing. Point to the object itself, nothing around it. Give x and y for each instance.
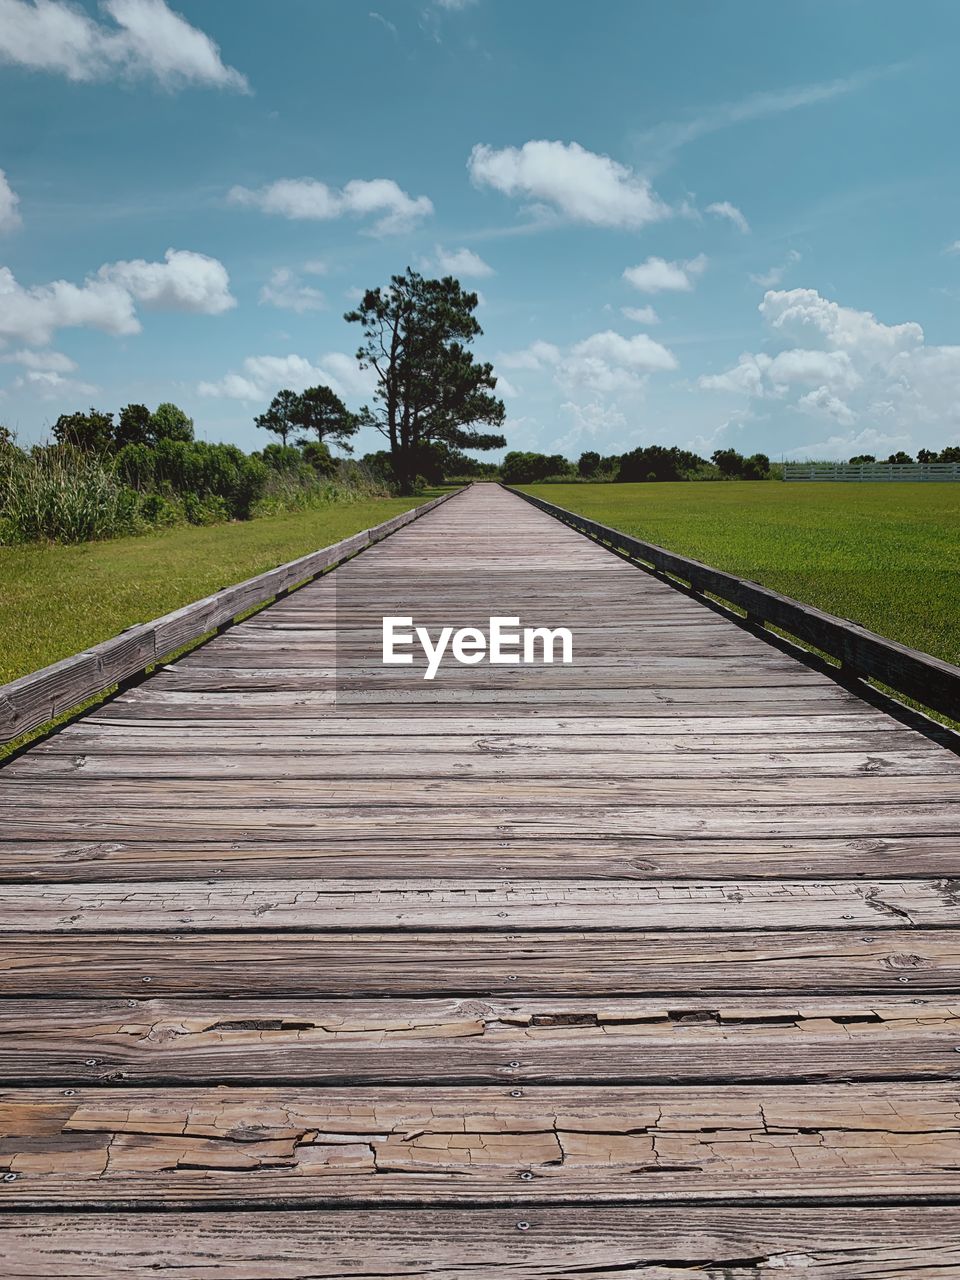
(941, 471)
(34, 700)
(862, 654)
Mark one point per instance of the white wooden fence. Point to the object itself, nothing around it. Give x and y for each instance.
(871, 471)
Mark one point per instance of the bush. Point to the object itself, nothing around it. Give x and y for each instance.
(61, 494)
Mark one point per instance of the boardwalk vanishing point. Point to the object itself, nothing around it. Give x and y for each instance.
(644, 965)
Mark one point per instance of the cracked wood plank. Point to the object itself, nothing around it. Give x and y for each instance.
(482, 963)
(189, 1041)
(444, 903)
(260, 1145)
(915, 1243)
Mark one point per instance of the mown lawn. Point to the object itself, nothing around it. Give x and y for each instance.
(885, 555)
(57, 600)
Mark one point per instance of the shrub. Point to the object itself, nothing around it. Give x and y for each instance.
(62, 494)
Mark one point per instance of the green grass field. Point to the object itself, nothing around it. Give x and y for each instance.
(885, 555)
(57, 600)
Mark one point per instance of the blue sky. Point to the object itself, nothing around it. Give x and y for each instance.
(708, 224)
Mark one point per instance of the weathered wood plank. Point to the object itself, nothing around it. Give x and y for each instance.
(377, 854)
(869, 1142)
(463, 1039)
(915, 1243)
(482, 963)
(437, 903)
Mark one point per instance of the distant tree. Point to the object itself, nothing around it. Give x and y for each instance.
(430, 390)
(728, 462)
(950, 454)
(654, 462)
(169, 422)
(588, 464)
(756, 467)
(318, 457)
(321, 411)
(899, 456)
(859, 458)
(90, 432)
(281, 417)
(529, 468)
(134, 426)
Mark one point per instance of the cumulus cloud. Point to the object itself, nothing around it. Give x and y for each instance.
(306, 198)
(144, 40)
(33, 315)
(580, 185)
(261, 377)
(640, 315)
(775, 275)
(724, 209)
(48, 384)
(462, 262)
(603, 363)
(184, 281)
(538, 355)
(656, 275)
(41, 361)
(846, 366)
(9, 200)
(285, 290)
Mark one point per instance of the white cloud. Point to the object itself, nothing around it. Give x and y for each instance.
(724, 209)
(462, 262)
(774, 276)
(306, 198)
(639, 353)
(823, 403)
(48, 384)
(640, 315)
(537, 356)
(953, 248)
(285, 290)
(851, 369)
(41, 361)
(656, 275)
(146, 40)
(33, 315)
(803, 315)
(9, 200)
(184, 281)
(263, 376)
(453, 6)
(579, 184)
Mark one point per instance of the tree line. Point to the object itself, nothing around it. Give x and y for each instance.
(647, 463)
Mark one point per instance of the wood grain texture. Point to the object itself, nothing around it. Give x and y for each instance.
(387, 1145)
(523, 1040)
(661, 1243)
(666, 939)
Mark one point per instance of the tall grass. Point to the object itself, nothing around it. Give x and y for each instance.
(59, 494)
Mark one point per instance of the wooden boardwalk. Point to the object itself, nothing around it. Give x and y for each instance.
(647, 965)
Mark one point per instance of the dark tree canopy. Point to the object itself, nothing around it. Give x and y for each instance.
(92, 432)
(321, 411)
(430, 390)
(281, 417)
(134, 426)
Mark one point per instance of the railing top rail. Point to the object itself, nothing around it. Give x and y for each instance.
(930, 681)
(33, 700)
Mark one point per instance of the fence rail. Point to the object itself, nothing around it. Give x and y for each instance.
(36, 699)
(862, 654)
(937, 471)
